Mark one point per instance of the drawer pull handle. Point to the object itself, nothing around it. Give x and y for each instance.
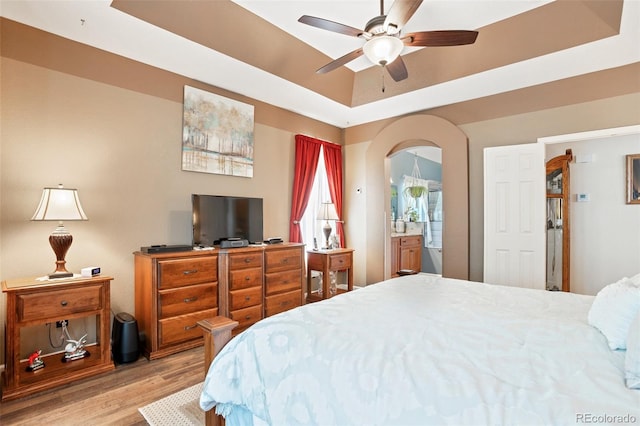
(247, 278)
(191, 271)
(285, 303)
(64, 303)
(190, 327)
(190, 299)
(248, 317)
(285, 260)
(247, 260)
(247, 298)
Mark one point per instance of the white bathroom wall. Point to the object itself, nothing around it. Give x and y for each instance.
(605, 231)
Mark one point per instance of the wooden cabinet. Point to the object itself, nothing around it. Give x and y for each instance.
(328, 261)
(176, 290)
(34, 303)
(284, 270)
(406, 253)
(173, 291)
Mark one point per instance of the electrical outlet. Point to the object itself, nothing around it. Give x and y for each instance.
(59, 323)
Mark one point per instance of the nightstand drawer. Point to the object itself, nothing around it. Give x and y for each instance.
(337, 262)
(58, 304)
(189, 299)
(246, 317)
(282, 260)
(283, 281)
(245, 260)
(244, 298)
(181, 272)
(183, 327)
(245, 278)
(282, 302)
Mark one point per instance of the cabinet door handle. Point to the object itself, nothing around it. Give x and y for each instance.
(190, 299)
(190, 327)
(64, 303)
(190, 271)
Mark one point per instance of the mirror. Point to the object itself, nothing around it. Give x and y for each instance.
(416, 209)
(558, 225)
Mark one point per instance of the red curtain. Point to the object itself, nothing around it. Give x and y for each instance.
(307, 154)
(333, 164)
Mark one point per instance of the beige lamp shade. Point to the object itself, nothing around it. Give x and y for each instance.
(60, 204)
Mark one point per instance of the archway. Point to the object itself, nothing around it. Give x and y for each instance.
(416, 130)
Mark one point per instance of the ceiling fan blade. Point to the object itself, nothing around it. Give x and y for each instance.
(440, 38)
(397, 69)
(401, 11)
(325, 24)
(337, 63)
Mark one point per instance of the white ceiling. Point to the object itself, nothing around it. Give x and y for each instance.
(95, 23)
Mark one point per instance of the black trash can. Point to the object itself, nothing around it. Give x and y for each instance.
(125, 343)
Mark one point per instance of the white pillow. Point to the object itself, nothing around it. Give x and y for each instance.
(632, 357)
(635, 280)
(613, 310)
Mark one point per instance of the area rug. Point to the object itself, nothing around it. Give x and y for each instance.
(181, 408)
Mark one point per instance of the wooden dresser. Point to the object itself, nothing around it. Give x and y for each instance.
(173, 292)
(176, 290)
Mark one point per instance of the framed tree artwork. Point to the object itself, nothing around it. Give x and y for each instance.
(217, 134)
(633, 179)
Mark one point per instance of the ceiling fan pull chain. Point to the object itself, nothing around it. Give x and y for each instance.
(382, 68)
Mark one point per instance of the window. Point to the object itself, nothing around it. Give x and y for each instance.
(310, 226)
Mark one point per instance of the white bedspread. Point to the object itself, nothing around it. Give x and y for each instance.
(422, 350)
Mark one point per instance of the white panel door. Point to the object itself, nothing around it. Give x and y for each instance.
(514, 215)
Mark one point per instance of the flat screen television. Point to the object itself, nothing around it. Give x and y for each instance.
(217, 218)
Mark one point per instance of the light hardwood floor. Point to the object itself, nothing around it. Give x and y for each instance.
(111, 398)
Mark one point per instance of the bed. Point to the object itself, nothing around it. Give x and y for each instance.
(419, 350)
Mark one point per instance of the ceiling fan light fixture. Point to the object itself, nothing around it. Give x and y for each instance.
(383, 49)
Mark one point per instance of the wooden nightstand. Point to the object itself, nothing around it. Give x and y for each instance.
(327, 261)
(36, 303)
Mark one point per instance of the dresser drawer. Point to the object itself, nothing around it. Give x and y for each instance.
(245, 260)
(58, 304)
(245, 278)
(282, 302)
(180, 272)
(281, 260)
(280, 282)
(337, 262)
(246, 317)
(185, 300)
(183, 327)
(244, 298)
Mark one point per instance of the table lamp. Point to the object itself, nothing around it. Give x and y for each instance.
(60, 204)
(327, 212)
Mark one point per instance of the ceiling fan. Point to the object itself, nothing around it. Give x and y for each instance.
(384, 40)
